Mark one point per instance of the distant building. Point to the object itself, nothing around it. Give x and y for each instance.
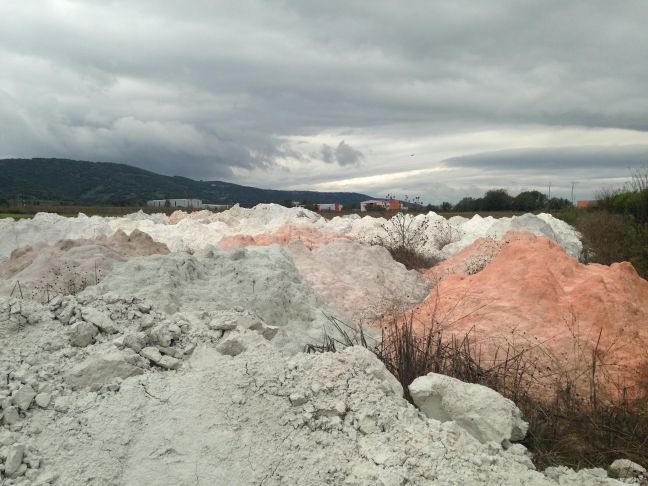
(586, 203)
(297, 204)
(388, 204)
(176, 203)
(335, 207)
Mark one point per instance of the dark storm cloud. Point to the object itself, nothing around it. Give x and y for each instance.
(328, 154)
(208, 89)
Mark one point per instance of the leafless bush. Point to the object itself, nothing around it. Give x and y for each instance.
(408, 354)
(406, 238)
(442, 234)
(639, 179)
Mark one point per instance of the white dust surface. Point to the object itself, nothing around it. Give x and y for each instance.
(263, 280)
(204, 398)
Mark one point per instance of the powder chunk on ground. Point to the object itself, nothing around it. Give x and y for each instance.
(196, 231)
(49, 228)
(481, 411)
(496, 228)
(100, 370)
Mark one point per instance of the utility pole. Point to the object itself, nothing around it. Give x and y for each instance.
(549, 191)
(572, 191)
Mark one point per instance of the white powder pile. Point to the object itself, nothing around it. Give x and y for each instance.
(42, 271)
(186, 232)
(263, 280)
(207, 399)
(361, 281)
(541, 225)
(49, 228)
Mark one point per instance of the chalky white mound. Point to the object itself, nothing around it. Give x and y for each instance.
(204, 398)
(49, 228)
(195, 233)
(182, 368)
(359, 281)
(263, 280)
(42, 271)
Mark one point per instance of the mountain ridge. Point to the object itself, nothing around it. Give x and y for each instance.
(86, 182)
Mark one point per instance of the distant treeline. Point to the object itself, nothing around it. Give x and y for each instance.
(501, 200)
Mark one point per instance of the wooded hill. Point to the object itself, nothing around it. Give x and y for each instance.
(82, 182)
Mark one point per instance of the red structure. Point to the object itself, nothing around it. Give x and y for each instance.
(335, 207)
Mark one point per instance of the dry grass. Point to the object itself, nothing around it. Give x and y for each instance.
(412, 259)
(60, 283)
(566, 426)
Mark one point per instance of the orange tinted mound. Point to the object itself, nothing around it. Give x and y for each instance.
(533, 293)
(311, 237)
(475, 256)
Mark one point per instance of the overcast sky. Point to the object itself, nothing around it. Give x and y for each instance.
(437, 99)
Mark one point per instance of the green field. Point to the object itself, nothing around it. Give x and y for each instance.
(73, 210)
(15, 216)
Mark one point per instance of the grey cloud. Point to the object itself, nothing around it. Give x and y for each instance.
(328, 154)
(344, 154)
(206, 88)
(347, 155)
